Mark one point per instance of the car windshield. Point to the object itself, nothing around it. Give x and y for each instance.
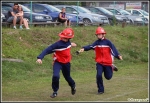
(124, 12)
(106, 11)
(144, 12)
(53, 9)
(81, 9)
(25, 9)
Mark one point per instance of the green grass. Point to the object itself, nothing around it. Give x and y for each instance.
(29, 81)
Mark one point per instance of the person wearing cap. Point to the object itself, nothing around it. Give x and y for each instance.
(61, 57)
(104, 53)
(63, 19)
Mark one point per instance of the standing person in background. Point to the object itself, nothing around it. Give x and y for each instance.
(62, 56)
(25, 21)
(13, 18)
(104, 53)
(63, 19)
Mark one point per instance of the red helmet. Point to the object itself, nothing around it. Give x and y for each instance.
(100, 30)
(67, 33)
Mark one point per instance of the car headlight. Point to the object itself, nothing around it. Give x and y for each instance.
(138, 19)
(39, 17)
(95, 17)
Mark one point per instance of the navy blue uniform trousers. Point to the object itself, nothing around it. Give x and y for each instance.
(66, 73)
(108, 73)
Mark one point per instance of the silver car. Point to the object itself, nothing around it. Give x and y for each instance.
(110, 15)
(139, 12)
(133, 19)
(88, 16)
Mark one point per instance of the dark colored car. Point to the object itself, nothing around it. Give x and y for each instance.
(52, 11)
(110, 15)
(27, 13)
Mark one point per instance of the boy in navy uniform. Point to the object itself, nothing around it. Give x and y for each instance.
(104, 52)
(62, 57)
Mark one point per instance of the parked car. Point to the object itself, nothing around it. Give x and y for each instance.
(139, 12)
(2, 17)
(88, 16)
(27, 13)
(53, 12)
(134, 19)
(110, 15)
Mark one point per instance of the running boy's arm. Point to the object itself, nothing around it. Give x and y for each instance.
(114, 51)
(48, 50)
(88, 47)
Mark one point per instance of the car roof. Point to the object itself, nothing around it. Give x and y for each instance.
(11, 4)
(134, 9)
(109, 8)
(66, 5)
(8, 3)
(37, 4)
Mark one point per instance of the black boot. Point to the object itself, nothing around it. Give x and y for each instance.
(53, 95)
(114, 68)
(73, 90)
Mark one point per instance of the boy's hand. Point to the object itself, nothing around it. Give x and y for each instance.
(78, 52)
(120, 57)
(39, 61)
(73, 44)
(81, 50)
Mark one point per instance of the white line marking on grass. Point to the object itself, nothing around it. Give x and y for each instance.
(124, 94)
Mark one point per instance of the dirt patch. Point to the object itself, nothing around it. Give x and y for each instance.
(13, 60)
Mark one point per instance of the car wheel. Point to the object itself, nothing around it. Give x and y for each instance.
(86, 21)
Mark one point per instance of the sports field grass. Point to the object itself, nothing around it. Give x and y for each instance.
(29, 81)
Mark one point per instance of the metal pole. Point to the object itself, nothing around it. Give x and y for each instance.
(31, 12)
(143, 15)
(77, 12)
(114, 21)
(114, 7)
